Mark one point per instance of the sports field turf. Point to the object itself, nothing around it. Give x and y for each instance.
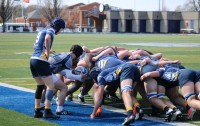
(15, 50)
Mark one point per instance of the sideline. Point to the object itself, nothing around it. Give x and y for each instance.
(109, 108)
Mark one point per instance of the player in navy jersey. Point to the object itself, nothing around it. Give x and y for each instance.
(188, 80)
(128, 75)
(40, 68)
(150, 84)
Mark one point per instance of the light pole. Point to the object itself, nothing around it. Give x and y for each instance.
(25, 17)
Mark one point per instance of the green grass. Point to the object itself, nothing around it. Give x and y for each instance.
(15, 50)
(11, 118)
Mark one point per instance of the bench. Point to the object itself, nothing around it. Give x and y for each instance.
(186, 30)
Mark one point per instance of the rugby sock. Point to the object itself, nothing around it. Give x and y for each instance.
(136, 104)
(129, 111)
(173, 107)
(37, 107)
(165, 107)
(59, 108)
(47, 107)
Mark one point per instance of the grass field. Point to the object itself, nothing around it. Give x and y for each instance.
(15, 51)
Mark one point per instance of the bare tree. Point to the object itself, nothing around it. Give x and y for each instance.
(196, 4)
(6, 8)
(51, 9)
(71, 16)
(190, 5)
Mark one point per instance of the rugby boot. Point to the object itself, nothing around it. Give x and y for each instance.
(191, 113)
(38, 113)
(63, 112)
(176, 114)
(128, 120)
(49, 115)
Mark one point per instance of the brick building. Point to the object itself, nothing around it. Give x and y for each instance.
(87, 18)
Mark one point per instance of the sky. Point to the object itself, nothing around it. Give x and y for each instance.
(137, 5)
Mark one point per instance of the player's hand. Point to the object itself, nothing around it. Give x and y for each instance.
(92, 116)
(98, 112)
(52, 51)
(143, 77)
(143, 62)
(44, 56)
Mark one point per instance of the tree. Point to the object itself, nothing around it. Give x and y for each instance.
(17, 11)
(71, 16)
(196, 4)
(190, 5)
(51, 9)
(6, 8)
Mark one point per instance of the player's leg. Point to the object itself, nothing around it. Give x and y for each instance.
(129, 73)
(161, 94)
(42, 75)
(86, 87)
(38, 97)
(188, 92)
(61, 97)
(151, 88)
(126, 89)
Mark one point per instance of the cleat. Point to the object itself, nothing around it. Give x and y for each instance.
(176, 114)
(64, 112)
(81, 99)
(168, 115)
(49, 115)
(169, 112)
(190, 113)
(168, 118)
(41, 108)
(138, 112)
(128, 120)
(38, 114)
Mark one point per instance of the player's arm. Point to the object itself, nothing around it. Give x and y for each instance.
(68, 74)
(98, 96)
(162, 63)
(47, 44)
(124, 53)
(150, 74)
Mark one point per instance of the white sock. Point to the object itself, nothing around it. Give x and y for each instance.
(80, 95)
(59, 108)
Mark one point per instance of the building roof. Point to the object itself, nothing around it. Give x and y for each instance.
(34, 14)
(89, 5)
(76, 5)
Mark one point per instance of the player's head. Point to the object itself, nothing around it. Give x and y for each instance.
(95, 71)
(58, 24)
(77, 50)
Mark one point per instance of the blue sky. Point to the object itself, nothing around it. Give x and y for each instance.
(137, 5)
